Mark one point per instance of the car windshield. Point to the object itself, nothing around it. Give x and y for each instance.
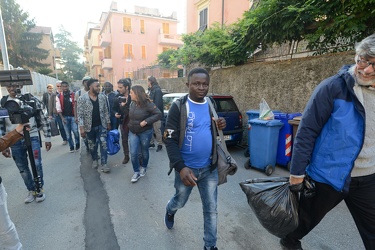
(167, 102)
(225, 105)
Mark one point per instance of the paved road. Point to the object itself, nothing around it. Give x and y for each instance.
(88, 210)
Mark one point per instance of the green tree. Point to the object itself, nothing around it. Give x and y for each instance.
(22, 45)
(44, 71)
(327, 26)
(72, 69)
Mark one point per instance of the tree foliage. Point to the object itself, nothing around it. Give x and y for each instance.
(72, 68)
(22, 45)
(327, 26)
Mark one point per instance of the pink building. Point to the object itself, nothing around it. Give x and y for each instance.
(201, 14)
(132, 41)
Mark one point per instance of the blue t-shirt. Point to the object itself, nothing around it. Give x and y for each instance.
(197, 146)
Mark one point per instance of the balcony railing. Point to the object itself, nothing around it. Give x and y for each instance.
(105, 40)
(107, 63)
(171, 40)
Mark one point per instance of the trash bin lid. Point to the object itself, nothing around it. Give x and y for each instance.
(268, 123)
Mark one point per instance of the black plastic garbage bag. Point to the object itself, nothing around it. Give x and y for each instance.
(275, 206)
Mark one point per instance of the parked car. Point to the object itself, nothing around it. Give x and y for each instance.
(225, 107)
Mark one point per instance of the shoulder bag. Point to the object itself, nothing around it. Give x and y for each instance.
(226, 165)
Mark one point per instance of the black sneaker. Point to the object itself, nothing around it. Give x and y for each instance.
(77, 147)
(290, 244)
(152, 145)
(71, 150)
(159, 148)
(169, 220)
(210, 248)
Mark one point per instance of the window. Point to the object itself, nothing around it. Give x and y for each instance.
(143, 48)
(142, 24)
(203, 19)
(166, 75)
(165, 28)
(128, 51)
(128, 74)
(127, 24)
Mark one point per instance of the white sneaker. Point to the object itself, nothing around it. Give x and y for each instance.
(135, 177)
(40, 196)
(30, 197)
(143, 172)
(105, 169)
(95, 164)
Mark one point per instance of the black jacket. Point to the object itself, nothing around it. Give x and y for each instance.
(175, 132)
(156, 96)
(122, 110)
(150, 113)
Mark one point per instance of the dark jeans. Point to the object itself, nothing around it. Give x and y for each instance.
(61, 127)
(125, 136)
(360, 201)
(114, 122)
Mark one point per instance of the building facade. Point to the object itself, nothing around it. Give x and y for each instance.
(47, 43)
(130, 42)
(201, 14)
(92, 51)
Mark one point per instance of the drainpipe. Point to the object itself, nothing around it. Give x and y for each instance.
(222, 13)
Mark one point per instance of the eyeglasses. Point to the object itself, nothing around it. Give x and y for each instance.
(364, 64)
(203, 85)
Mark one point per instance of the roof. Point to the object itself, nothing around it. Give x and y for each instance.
(41, 29)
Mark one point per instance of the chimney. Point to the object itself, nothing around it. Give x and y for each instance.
(113, 6)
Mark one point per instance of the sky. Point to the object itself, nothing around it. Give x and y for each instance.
(73, 15)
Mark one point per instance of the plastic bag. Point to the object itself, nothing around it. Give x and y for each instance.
(265, 112)
(113, 142)
(275, 206)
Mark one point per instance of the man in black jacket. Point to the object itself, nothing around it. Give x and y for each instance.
(156, 97)
(120, 110)
(190, 139)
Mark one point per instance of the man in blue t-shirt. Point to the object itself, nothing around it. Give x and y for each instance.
(190, 138)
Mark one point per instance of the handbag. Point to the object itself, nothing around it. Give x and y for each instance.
(226, 165)
(113, 142)
(54, 130)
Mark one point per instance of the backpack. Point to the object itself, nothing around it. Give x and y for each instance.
(113, 142)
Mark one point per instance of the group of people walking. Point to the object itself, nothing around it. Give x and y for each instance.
(90, 113)
(333, 145)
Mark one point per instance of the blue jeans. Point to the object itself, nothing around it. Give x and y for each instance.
(61, 127)
(207, 186)
(20, 157)
(71, 126)
(98, 135)
(141, 140)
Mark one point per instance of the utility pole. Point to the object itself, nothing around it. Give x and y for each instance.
(3, 45)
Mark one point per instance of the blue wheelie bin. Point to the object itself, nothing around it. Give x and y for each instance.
(252, 114)
(285, 143)
(263, 144)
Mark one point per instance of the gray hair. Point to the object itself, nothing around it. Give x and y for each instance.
(366, 47)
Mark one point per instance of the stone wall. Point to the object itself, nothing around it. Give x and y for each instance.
(285, 85)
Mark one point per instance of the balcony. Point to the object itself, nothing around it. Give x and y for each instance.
(107, 63)
(170, 40)
(105, 40)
